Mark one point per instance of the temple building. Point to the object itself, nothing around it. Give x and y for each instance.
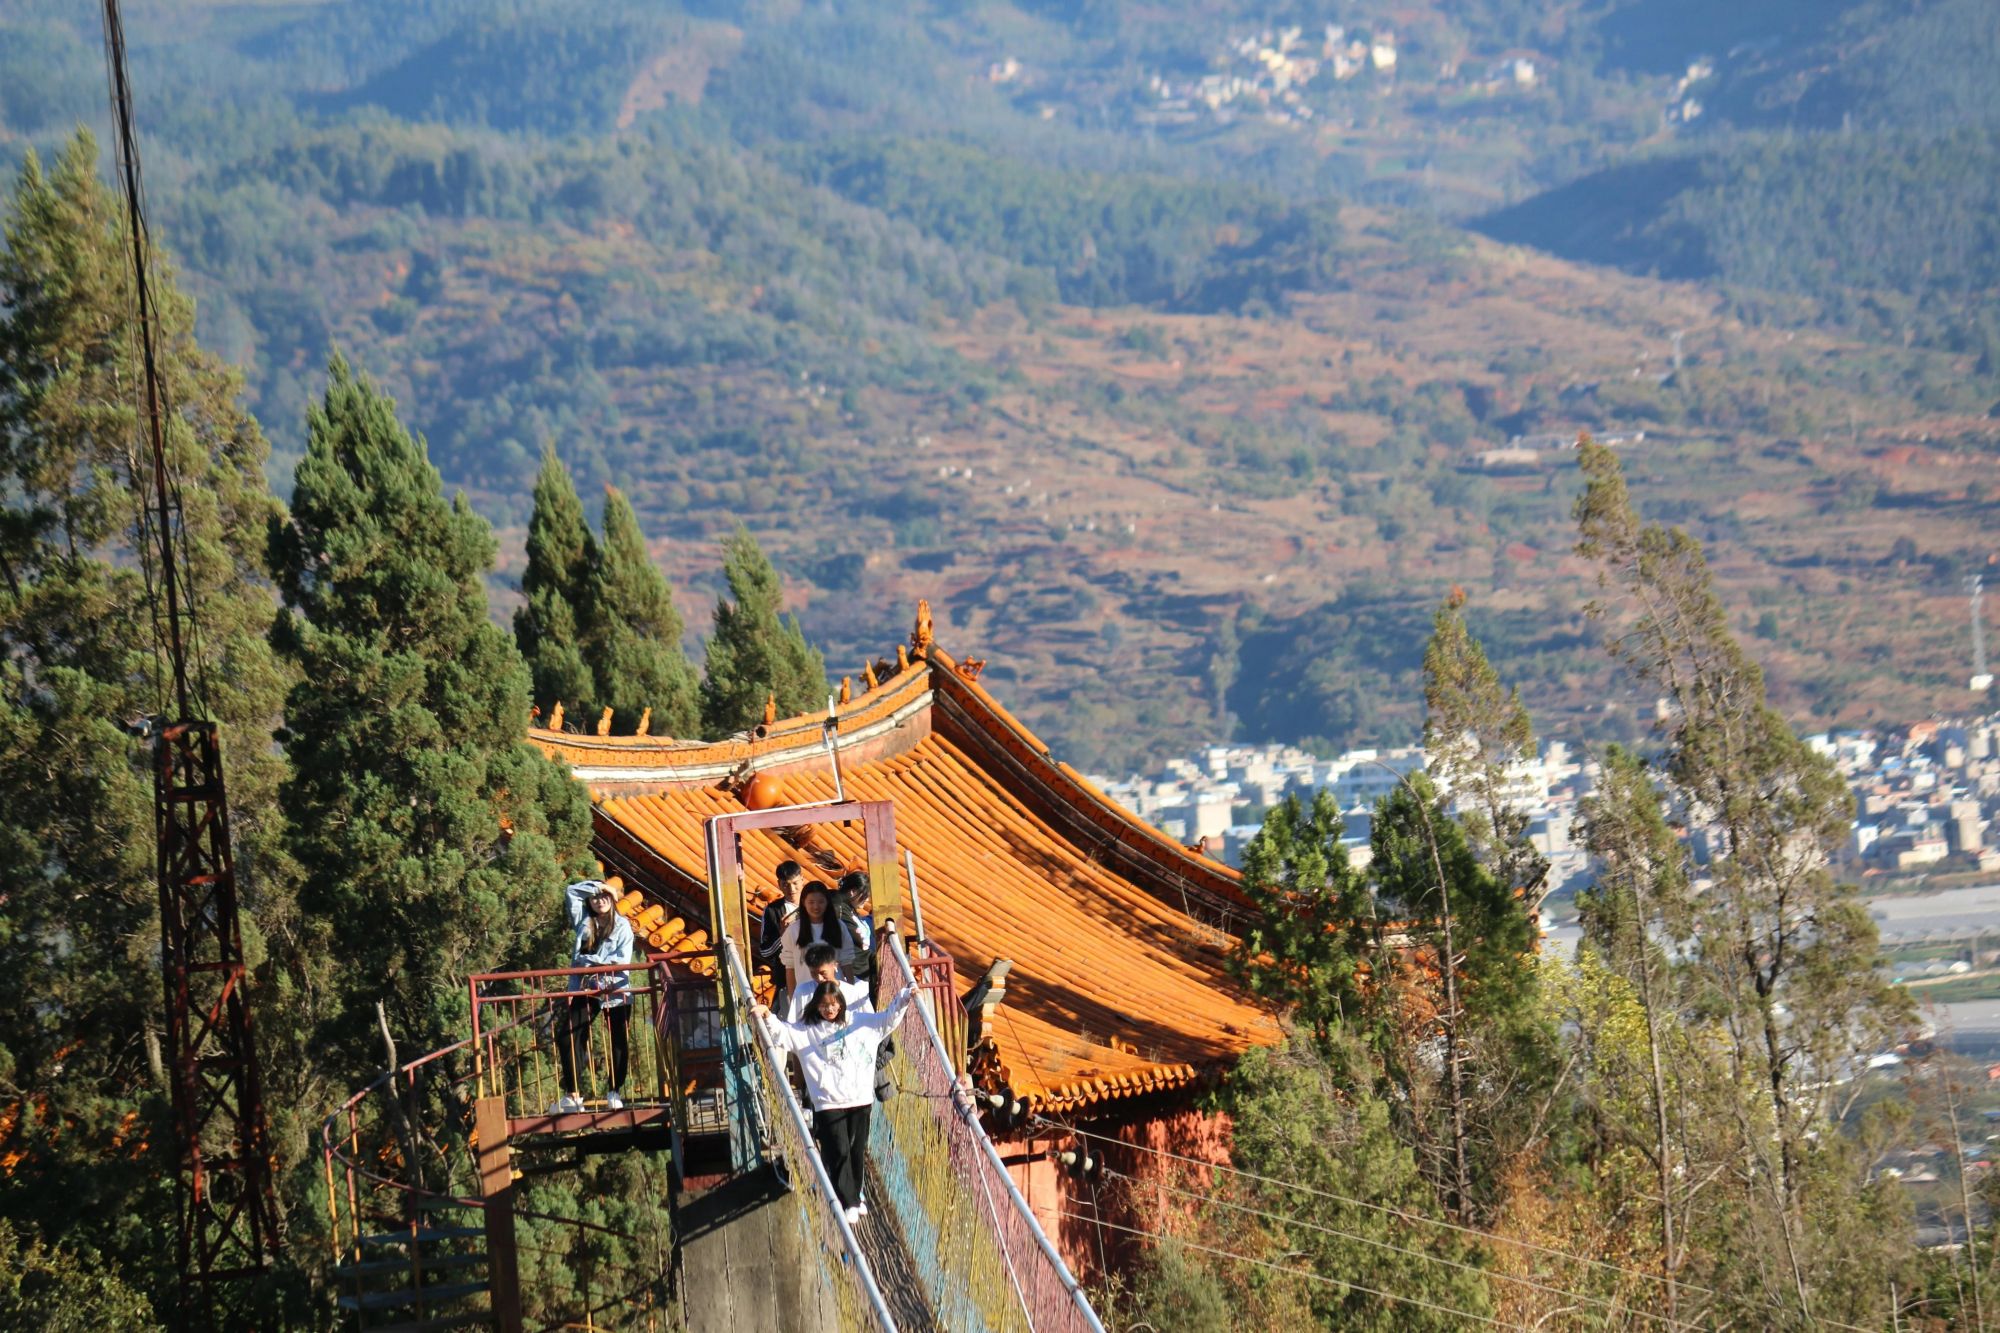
(1110, 1007)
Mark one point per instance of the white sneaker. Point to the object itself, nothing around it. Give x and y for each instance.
(853, 1215)
(614, 1101)
(861, 1207)
(569, 1105)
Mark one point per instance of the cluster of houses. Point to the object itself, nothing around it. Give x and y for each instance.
(1926, 795)
(1267, 70)
(1216, 797)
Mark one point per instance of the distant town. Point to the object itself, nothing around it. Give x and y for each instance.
(1926, 796)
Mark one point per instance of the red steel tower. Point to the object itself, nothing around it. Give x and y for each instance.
(227, 1211)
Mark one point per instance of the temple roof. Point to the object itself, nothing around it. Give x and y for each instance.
(1117, 933)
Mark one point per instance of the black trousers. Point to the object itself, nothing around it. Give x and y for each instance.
(573, 1046)
(843, 1147)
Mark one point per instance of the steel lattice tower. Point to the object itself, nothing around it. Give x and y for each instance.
(227, 1214)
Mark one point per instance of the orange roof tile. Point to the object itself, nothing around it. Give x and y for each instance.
(1116, 932)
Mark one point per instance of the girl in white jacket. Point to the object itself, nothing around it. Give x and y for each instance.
(836, 1053)
(816, 922)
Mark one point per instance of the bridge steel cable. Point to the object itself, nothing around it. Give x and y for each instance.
(1420, 1220)
(1610, 1306)
(1313, 1275)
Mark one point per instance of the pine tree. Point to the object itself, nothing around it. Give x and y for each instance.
(1784, 957)
(78, 942)
(434, 841)
(1474, 730)
(1470, 929)
(556, 583)
(634, 642)
(755, 653)
(1637, 903)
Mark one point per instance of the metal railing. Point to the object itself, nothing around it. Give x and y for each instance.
(399, 1162)
(984, 1259)
(937, 991)
(522, 1021)
(786, 1138)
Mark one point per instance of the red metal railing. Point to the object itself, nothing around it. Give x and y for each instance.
(674, 1043)
(937, 991)
(399, 1153)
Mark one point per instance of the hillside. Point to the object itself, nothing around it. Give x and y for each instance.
(1167, 419)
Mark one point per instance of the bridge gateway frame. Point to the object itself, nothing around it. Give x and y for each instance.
(1050, 1296)
(729, 899)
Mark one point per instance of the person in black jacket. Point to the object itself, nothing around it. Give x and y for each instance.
(778, 913)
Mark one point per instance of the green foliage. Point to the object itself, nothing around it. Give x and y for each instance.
(79, 941)
(1331, 1162)
(515, 68)
(755, 654)
(1784, 961)
(556, 584)
(1315, 920)
(634, 636)
(1474, 729)
(1414, 841)
(433, 839)
(1176, 1287)
(59, 1291)
(1642, 876)
(1100, 240)
(1808, 214)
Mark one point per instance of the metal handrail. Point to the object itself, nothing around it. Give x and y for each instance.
(962, 1103)
(329, 1140)
(774, 1066)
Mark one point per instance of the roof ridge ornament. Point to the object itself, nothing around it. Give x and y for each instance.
(555, 717)
(921, 638)
(645, 722)
(604, 723)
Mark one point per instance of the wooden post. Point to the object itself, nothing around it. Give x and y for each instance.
(496, 1186)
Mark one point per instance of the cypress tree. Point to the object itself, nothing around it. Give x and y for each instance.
(556, 582)
(78, 938)
(755, 652)
(1315, 923)
(434, 841)
(635, 632)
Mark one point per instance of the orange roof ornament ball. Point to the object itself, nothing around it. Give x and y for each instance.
(764, 791)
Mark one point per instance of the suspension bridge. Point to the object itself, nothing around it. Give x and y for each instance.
(428, 1169)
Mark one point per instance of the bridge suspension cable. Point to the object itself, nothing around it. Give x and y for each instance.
(1418, 1219)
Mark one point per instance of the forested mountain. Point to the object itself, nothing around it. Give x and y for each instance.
(1001, 302)
(1843, 153)
(1212, 369)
